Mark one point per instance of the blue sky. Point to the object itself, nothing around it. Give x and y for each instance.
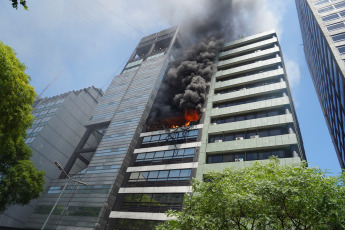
(86, 42)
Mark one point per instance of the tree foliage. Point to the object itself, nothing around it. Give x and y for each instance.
(264, 196)
(21, 2)
(19, 180)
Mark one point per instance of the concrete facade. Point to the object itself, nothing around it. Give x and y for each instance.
(53, 137)
(323, 33)
(250, 81)
(249, 93)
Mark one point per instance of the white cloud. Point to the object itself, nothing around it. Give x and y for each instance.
(293, 73)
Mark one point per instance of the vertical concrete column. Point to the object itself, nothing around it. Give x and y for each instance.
(287, 109)
(294, 151)
(290, 129)
(151, 49)
(284, 93)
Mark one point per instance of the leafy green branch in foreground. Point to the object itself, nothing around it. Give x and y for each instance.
(264, 196)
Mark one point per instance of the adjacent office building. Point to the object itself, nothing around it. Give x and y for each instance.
(53, 137)
(136, 170)
(323, 32)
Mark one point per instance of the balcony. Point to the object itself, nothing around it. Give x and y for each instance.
(243, 93)
(241, 69)
(250, 78)
(249, 47)
(254, 106)
(258, 123)
(248, 57)
(252, 144)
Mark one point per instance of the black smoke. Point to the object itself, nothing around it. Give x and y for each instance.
(186, 83)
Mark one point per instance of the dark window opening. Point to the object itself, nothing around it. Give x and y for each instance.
(170, 138)
(248, 134)
(248, 86)
(248, 43)
(141, 52)
(249, 62)
(262, 48)
(161, 45)
(248, 100)
(248, 156)
(156, 202)
(126, 224)
(263, 70)
(248, 116)
(174, 177)
(165, 157)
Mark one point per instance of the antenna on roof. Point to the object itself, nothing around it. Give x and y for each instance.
(51, 82)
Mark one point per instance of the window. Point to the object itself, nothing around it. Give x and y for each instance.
(339, 5)
(165, 155)
(321, 2)
(163, 138)
(164, 175)
(248, 156)
(330, 17)
(336, 26)
(338, 37)
(247, 135)
(326, 9)
(156, 202)
(341, 49)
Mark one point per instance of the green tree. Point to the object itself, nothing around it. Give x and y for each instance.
(19, 180)
(21, 2)
(264, 196)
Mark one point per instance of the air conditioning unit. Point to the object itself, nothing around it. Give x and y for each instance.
(239, 138)
(238, 159)
(254, 136)
(218, 141)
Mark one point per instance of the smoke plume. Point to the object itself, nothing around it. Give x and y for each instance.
(206, 25)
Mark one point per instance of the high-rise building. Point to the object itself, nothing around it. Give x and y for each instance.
(137, 170)
(53, 137)
(323, 33)
(119, 118)
(249, 116)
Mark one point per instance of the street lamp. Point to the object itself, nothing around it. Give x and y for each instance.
(68, 180)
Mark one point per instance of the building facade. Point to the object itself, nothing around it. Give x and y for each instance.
(53, 137)
(323, 32)
(119, 118)
(135, 170)
(249, 116)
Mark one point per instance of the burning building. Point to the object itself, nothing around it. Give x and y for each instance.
(165, 120)
(246, 115)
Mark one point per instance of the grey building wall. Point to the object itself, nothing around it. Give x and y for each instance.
(123, 110)
(54, 135)
(323, 33)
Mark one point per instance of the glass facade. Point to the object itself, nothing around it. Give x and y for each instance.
(324, 66)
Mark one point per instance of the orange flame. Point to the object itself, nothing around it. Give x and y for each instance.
(182, 121)
(191, 115)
